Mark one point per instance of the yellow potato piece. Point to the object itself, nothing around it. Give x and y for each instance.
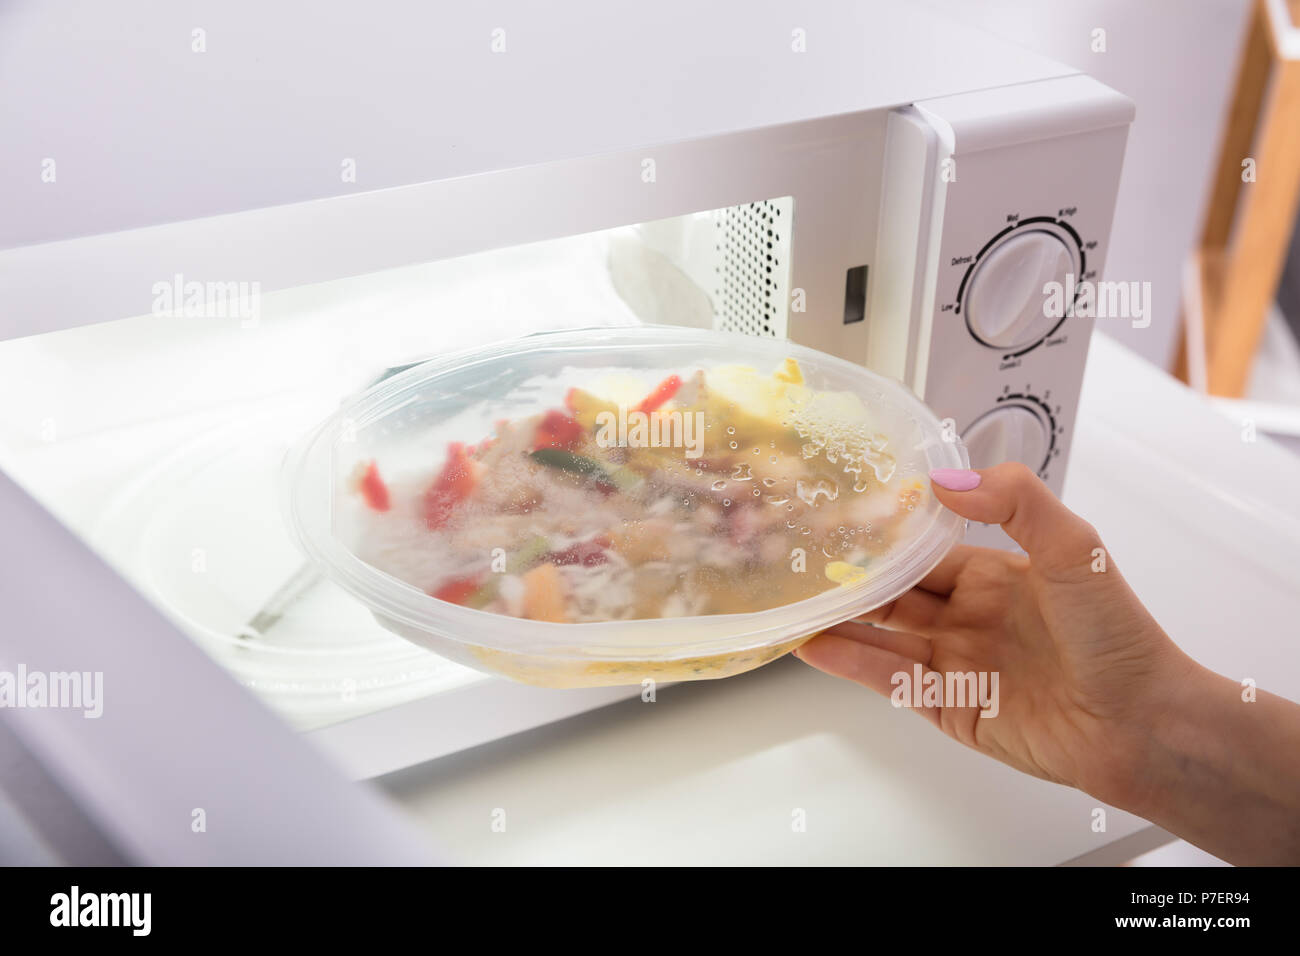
(845, 574)
(789, 372)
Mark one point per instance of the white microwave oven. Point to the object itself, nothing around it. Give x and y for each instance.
(185, 292)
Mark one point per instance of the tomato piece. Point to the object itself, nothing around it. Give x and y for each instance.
(373, 490)
(453, 485)
(457, 590)
(557, 430)
(660, 394)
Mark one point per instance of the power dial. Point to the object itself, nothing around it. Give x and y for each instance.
(1005, 299)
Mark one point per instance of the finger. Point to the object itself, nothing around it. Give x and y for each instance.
(914, 611)
(1011, 495)
(912, 646)
(872, 667)
(943, 578)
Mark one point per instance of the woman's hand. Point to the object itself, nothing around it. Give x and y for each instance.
(1091, 692)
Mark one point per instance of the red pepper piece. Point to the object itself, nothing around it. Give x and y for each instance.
(660, 394)
(557, 430)
(373, 490)
(452, 486)
(458, 590)
(478, 449)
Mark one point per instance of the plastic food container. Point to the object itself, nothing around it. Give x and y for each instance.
(805, 475)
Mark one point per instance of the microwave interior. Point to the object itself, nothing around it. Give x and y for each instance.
(159, 438)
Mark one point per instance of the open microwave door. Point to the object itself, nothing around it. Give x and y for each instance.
(96, 774)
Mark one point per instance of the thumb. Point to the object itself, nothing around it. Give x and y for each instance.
(1012, 496)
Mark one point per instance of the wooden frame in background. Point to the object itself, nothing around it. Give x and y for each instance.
(1234, 273)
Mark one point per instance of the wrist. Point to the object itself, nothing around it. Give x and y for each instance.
(1142, 742)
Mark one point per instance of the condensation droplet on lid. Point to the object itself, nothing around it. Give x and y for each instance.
(734, 445)
(810, 492)
(719, 484)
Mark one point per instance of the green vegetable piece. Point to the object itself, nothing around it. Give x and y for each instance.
(528, 555)
(579, 465)
(625, 478)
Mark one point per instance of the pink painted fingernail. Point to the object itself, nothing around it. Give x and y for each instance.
(955, 479)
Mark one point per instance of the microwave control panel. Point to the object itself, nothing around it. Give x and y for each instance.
(1025, 196)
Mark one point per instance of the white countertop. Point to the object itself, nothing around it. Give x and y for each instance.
(1205, 525)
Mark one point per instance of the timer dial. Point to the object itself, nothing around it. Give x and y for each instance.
(1005, 299)
(1008, 433)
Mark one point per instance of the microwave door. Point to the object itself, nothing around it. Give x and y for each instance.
(133, 746)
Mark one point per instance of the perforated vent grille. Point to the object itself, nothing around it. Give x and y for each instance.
(751, 291)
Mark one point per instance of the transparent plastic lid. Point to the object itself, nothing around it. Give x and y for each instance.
(630, 495)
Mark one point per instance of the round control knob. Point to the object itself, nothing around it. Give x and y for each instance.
(1010, 433)
(1005, 299)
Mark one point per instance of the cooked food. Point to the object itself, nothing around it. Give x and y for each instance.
(713, 491)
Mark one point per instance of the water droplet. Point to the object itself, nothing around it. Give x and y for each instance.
(884, 468)
(726, 502)
(775, 499)
(805, 530)
(734, 445)
(768, 482)
(860, 485)
(731, 429)
(719, 484)
(809, 492)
